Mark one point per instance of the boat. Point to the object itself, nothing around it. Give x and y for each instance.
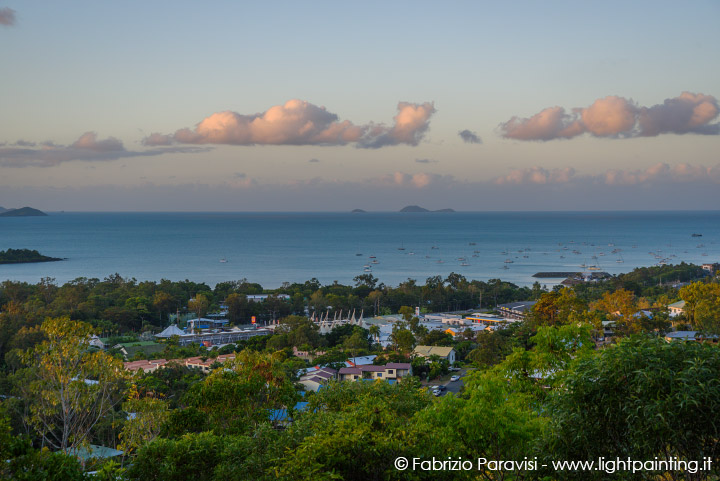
(696, 235)
(375, 261)
(367, 270)
(402, 247)
(473, 243)
(223, 260)
(509, 261)
(464, 264)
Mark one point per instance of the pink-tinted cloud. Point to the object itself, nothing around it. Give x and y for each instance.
(299, 122)
(7, 16)
(660, 173)
(537, 175)
(86, 148)
(663, 173)
(619, 117)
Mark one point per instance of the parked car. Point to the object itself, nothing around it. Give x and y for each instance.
(435, 388)
(441, 388)
(436, 392)
(454, 378)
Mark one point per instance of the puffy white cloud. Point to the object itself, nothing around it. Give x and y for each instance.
(619, 117)
(298, 122)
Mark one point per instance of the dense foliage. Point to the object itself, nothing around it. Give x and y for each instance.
(550, 388)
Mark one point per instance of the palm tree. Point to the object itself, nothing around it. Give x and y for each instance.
(375, 332)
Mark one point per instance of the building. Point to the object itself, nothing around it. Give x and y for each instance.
(213, 338)
(676, 308)
(317, 378)
(150, 365)
(391, 371)
(480, 318)
(690, 336)
(516, 310)
(711, 268)
(264, 297)
(442, 352)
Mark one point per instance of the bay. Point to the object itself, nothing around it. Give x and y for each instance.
(272, 248)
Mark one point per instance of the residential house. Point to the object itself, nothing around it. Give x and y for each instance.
(391, 371)
(676, 308)
(442, 352)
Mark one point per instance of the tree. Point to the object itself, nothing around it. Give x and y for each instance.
(199, 305)
(640, 399)
(702, 306)
(71, 387)
(240, 397)
(148, 416)
(374, 331)
(407, 312)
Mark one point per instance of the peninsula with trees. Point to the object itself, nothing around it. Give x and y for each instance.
(24, 256)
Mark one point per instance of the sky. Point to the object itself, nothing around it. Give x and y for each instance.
(332, 106)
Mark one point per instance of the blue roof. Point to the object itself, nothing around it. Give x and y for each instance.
(282, 414)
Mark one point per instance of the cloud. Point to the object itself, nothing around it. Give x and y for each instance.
(86, 148)
(7, 16)
(660, 173)
(299, 122)
(663, 173)
(402, 179)
(469, 137)
(426, 161)
(537, 175)
(617, 117)
(313, 160)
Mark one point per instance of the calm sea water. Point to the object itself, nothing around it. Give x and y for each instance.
(271, 248)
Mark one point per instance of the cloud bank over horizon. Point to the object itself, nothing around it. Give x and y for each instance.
(86, 148)
(617, 117)
(298, 122)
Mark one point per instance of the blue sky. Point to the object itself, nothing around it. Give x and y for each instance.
(567, 100)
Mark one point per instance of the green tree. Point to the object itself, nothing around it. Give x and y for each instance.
(640, 399)
(71, 387)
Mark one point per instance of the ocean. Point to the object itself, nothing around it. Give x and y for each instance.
(272, 248)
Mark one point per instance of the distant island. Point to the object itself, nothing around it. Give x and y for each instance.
(358, 211)
(24, 256)
(21, 212)
(417, 208)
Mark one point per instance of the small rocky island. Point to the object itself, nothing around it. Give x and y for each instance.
(21, 212)
(24, 256)
(417, 208)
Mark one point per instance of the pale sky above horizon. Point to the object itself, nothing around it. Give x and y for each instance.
(294, 106)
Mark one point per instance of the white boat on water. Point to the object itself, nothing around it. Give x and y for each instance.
(223, 260)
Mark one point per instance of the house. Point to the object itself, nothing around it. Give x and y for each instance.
(690, 336)
(516, 310)
(676, 308)
(442, 352)
(315, 379)
(711, 268)
(391, 371)
(96, 342)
